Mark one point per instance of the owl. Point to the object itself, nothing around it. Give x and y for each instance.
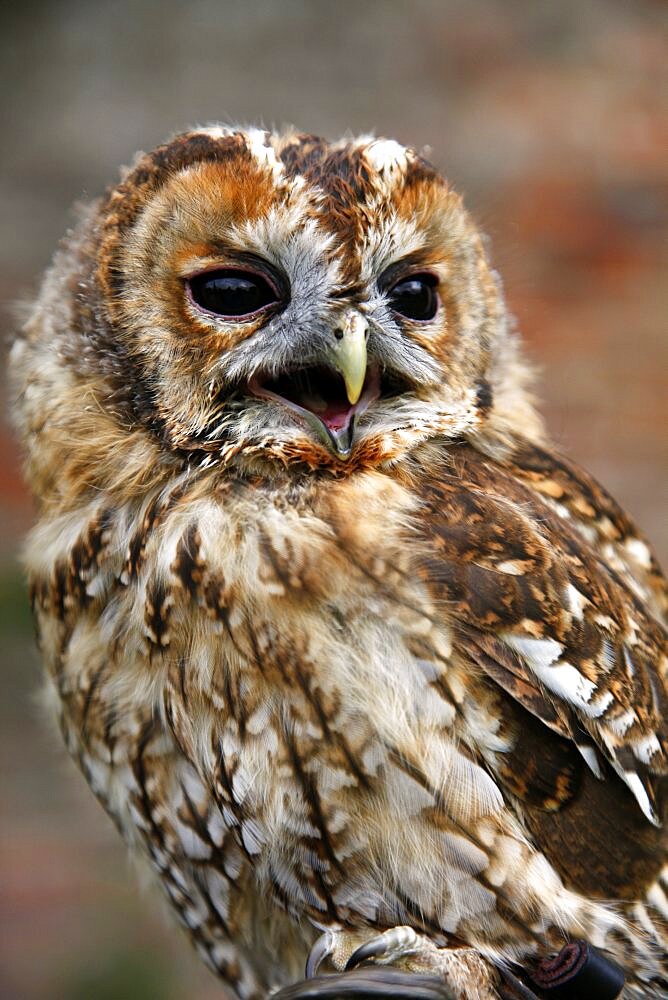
(371, 676)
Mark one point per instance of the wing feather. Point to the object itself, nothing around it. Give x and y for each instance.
(554, 595)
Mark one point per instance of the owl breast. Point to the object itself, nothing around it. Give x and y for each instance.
(285, 649)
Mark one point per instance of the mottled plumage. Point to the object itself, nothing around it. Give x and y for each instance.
(337, 639)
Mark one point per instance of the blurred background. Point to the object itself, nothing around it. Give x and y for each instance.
(551, 118)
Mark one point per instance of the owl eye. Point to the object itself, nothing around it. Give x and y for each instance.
(415, 297)
(231, 293)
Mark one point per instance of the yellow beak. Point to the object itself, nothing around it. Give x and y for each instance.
(348, 354)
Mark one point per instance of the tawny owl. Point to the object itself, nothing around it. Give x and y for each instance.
(369, 673)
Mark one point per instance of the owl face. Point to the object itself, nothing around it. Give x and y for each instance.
(279, 298)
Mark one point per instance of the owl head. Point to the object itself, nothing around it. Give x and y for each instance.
(265, 299)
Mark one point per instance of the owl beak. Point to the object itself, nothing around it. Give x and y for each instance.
(348, 354)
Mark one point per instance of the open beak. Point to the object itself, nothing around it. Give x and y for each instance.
(329, 397)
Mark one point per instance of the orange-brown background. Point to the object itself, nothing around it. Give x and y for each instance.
(551, 117)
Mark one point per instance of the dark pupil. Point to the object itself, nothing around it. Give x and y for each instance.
(415, 298)
(231, 293)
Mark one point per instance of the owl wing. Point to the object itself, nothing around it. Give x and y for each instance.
(556, 598)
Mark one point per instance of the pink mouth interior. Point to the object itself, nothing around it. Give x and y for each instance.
(321, 391)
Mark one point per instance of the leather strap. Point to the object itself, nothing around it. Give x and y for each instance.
(578, 972)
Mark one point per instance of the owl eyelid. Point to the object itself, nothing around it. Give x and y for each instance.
(429, 277)
(404, 270)
(240, 266)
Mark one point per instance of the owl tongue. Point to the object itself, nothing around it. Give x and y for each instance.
(336, 414)
(336, 420)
